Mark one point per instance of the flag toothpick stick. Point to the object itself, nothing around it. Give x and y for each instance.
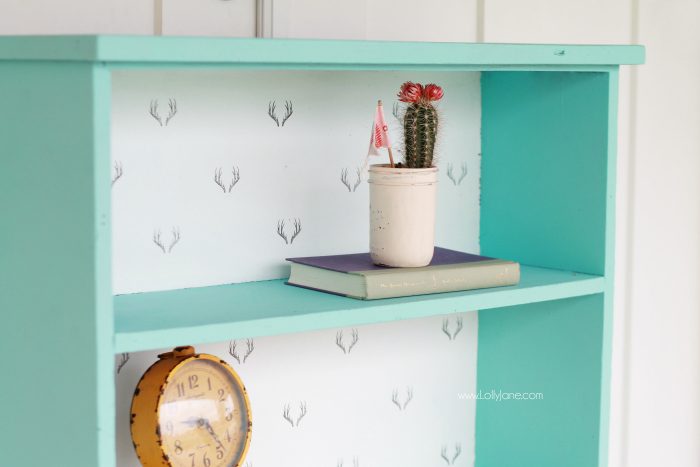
(381, 130)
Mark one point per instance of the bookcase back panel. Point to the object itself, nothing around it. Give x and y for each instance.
(394, 394)
(220, 175)
(211, 170)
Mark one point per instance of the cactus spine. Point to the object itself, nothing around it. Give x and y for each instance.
(420, 126)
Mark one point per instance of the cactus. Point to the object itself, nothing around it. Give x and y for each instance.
(420, 123)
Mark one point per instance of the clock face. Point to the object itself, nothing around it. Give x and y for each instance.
(203, 417)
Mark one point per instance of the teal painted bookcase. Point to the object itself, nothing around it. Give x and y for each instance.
(549, 116)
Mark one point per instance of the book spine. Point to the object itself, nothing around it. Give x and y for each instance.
(401, 284)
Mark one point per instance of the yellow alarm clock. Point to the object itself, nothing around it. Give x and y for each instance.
(190, 410)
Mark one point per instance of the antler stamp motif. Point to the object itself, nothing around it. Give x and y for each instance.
(172, 110)
(409, 397)
(175, 240)
(271, 106)
(123, 358)
(458, 451)
(233, 350)
(235, 178)
(250, 346)
(355, 338)
(446, 327)
(339, 341)
(450, 460)
(286, 414)
(288, 111)
(396, 400)
(302, 412)
(217, 179)
(282, 231)
(344, 178)
(157, 239)
(463, 173)
(272, 112)
(297, 230)
(154, 112)
(118, 172)
(396, 111)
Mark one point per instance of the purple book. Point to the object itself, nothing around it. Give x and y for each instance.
(356, 276)
(363, 262)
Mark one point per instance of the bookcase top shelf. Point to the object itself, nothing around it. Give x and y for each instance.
(211, 314)
(311, 54)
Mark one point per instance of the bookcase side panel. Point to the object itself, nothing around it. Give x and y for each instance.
(544, 168)
(609, 268)
(57, 388)
(549, 353)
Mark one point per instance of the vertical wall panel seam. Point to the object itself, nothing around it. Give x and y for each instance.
(158, 17)
(480, 20)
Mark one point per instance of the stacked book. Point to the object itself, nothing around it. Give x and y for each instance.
(355, 275)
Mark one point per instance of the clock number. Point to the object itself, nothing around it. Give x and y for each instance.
(181, 390)
(228, 436)
(206, 460)
(169, 427)
(209, 383)
(229, 415)
(178, 447)
(219, 453)
(193, 381)
(192, 456)
(222, 395)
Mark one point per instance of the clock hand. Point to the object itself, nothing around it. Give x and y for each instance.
(209, 428)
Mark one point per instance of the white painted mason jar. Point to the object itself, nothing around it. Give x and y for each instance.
(402, 215)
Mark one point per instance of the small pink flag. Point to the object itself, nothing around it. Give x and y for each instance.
(380, 133)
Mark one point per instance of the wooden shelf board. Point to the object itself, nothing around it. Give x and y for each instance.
(210, 314)
(309, 54)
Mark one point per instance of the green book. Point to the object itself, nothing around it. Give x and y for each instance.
(355, 275)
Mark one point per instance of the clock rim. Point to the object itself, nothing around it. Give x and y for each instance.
(149, 443)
